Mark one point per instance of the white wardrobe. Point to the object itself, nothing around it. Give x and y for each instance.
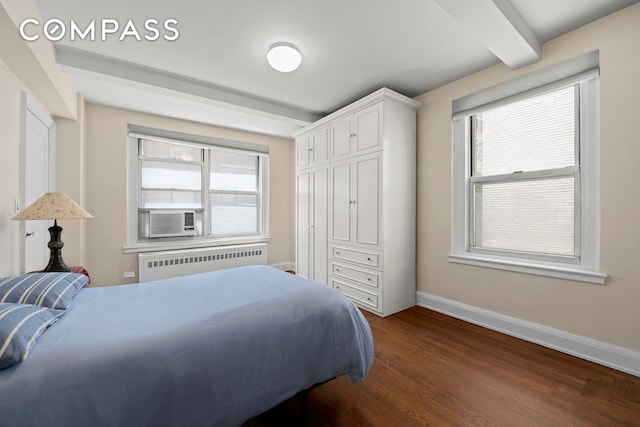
(355, 201)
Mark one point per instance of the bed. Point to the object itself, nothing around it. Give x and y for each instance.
(211, 349)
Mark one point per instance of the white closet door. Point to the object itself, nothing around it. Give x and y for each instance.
(341, 137)
(320, 146)
(367, 128)
(303, 212)
(302, 152)
(367, 199)
(320, 225)
(341, 201)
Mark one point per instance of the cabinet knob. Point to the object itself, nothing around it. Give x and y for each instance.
(368, 259)
(337, 252)
(369, 279)
(337, 270)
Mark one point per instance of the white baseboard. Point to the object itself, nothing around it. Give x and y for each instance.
(289, 265)
(618, 358)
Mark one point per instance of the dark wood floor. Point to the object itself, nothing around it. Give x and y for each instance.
(433, 370)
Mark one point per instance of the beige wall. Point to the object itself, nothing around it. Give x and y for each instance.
(71, 179)
(106, 188)
(607, 313)
(29, 68)
(10, 110)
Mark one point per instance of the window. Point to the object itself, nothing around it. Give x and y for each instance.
(235, 196)
(190, 191)
(525, 174)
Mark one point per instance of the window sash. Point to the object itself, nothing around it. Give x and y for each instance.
(258, 209)
(472, 215)
(473, 180)
(206, 191)
(557, 132)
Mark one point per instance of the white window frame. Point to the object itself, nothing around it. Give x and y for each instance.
(136, 244)
(584, 72)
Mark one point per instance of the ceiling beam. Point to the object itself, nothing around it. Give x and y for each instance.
(34, 62)
(113, 69)
(498, 25)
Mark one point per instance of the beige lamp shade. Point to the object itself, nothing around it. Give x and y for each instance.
(53, 206)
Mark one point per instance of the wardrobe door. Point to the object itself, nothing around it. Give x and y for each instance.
(367, 199)
(320, 226)
(341, 136)
(341, 201)
(366, 124)
(303, 228)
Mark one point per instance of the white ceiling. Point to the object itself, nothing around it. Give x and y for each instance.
(216, 71)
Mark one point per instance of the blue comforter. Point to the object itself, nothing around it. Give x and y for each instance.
(212, 349)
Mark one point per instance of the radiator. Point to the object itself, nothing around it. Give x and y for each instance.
(164, 264)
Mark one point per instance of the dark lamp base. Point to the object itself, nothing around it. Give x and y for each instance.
(56, 263)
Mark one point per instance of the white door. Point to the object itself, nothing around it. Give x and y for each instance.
(302, 151)
(367, 200)
(303, 232)
(341, 201)
(320, 146)
(38, 173)
(367, 128)
(341, 137)
(320, 225)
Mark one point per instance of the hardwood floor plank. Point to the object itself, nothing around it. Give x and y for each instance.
(434, 370)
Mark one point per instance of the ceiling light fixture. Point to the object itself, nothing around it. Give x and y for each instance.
(284, 57)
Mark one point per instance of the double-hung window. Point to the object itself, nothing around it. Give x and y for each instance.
(187, 190)
(526, 174)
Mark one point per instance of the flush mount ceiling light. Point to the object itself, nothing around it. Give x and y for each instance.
(284, 57)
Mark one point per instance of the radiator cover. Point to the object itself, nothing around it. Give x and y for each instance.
(165, 264)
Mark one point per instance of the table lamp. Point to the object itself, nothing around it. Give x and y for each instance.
(54, 206)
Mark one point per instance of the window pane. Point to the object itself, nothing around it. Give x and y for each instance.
(531, 216)
(534, 134)
(234, 214)
(233, 171)
(166, 151)
(164, 175)
(170, 199)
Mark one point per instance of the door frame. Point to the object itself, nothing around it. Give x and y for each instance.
(30, 104)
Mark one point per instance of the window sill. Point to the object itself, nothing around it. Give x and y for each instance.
(200, 243)
(528, 267)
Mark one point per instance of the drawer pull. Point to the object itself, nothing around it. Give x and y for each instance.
(368, 259)
(337, 252)
(368, 299)
(337, 270)
(369, 279)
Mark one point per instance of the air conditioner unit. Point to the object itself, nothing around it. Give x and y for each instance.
(170, 223)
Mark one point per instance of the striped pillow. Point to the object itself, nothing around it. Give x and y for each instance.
(52, 290)
(20, 327)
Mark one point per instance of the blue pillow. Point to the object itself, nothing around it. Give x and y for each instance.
(20, 327)
(52, 290)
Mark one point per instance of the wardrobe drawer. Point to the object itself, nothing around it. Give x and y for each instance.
(361, 257)
(358, 295)
(368, 278)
